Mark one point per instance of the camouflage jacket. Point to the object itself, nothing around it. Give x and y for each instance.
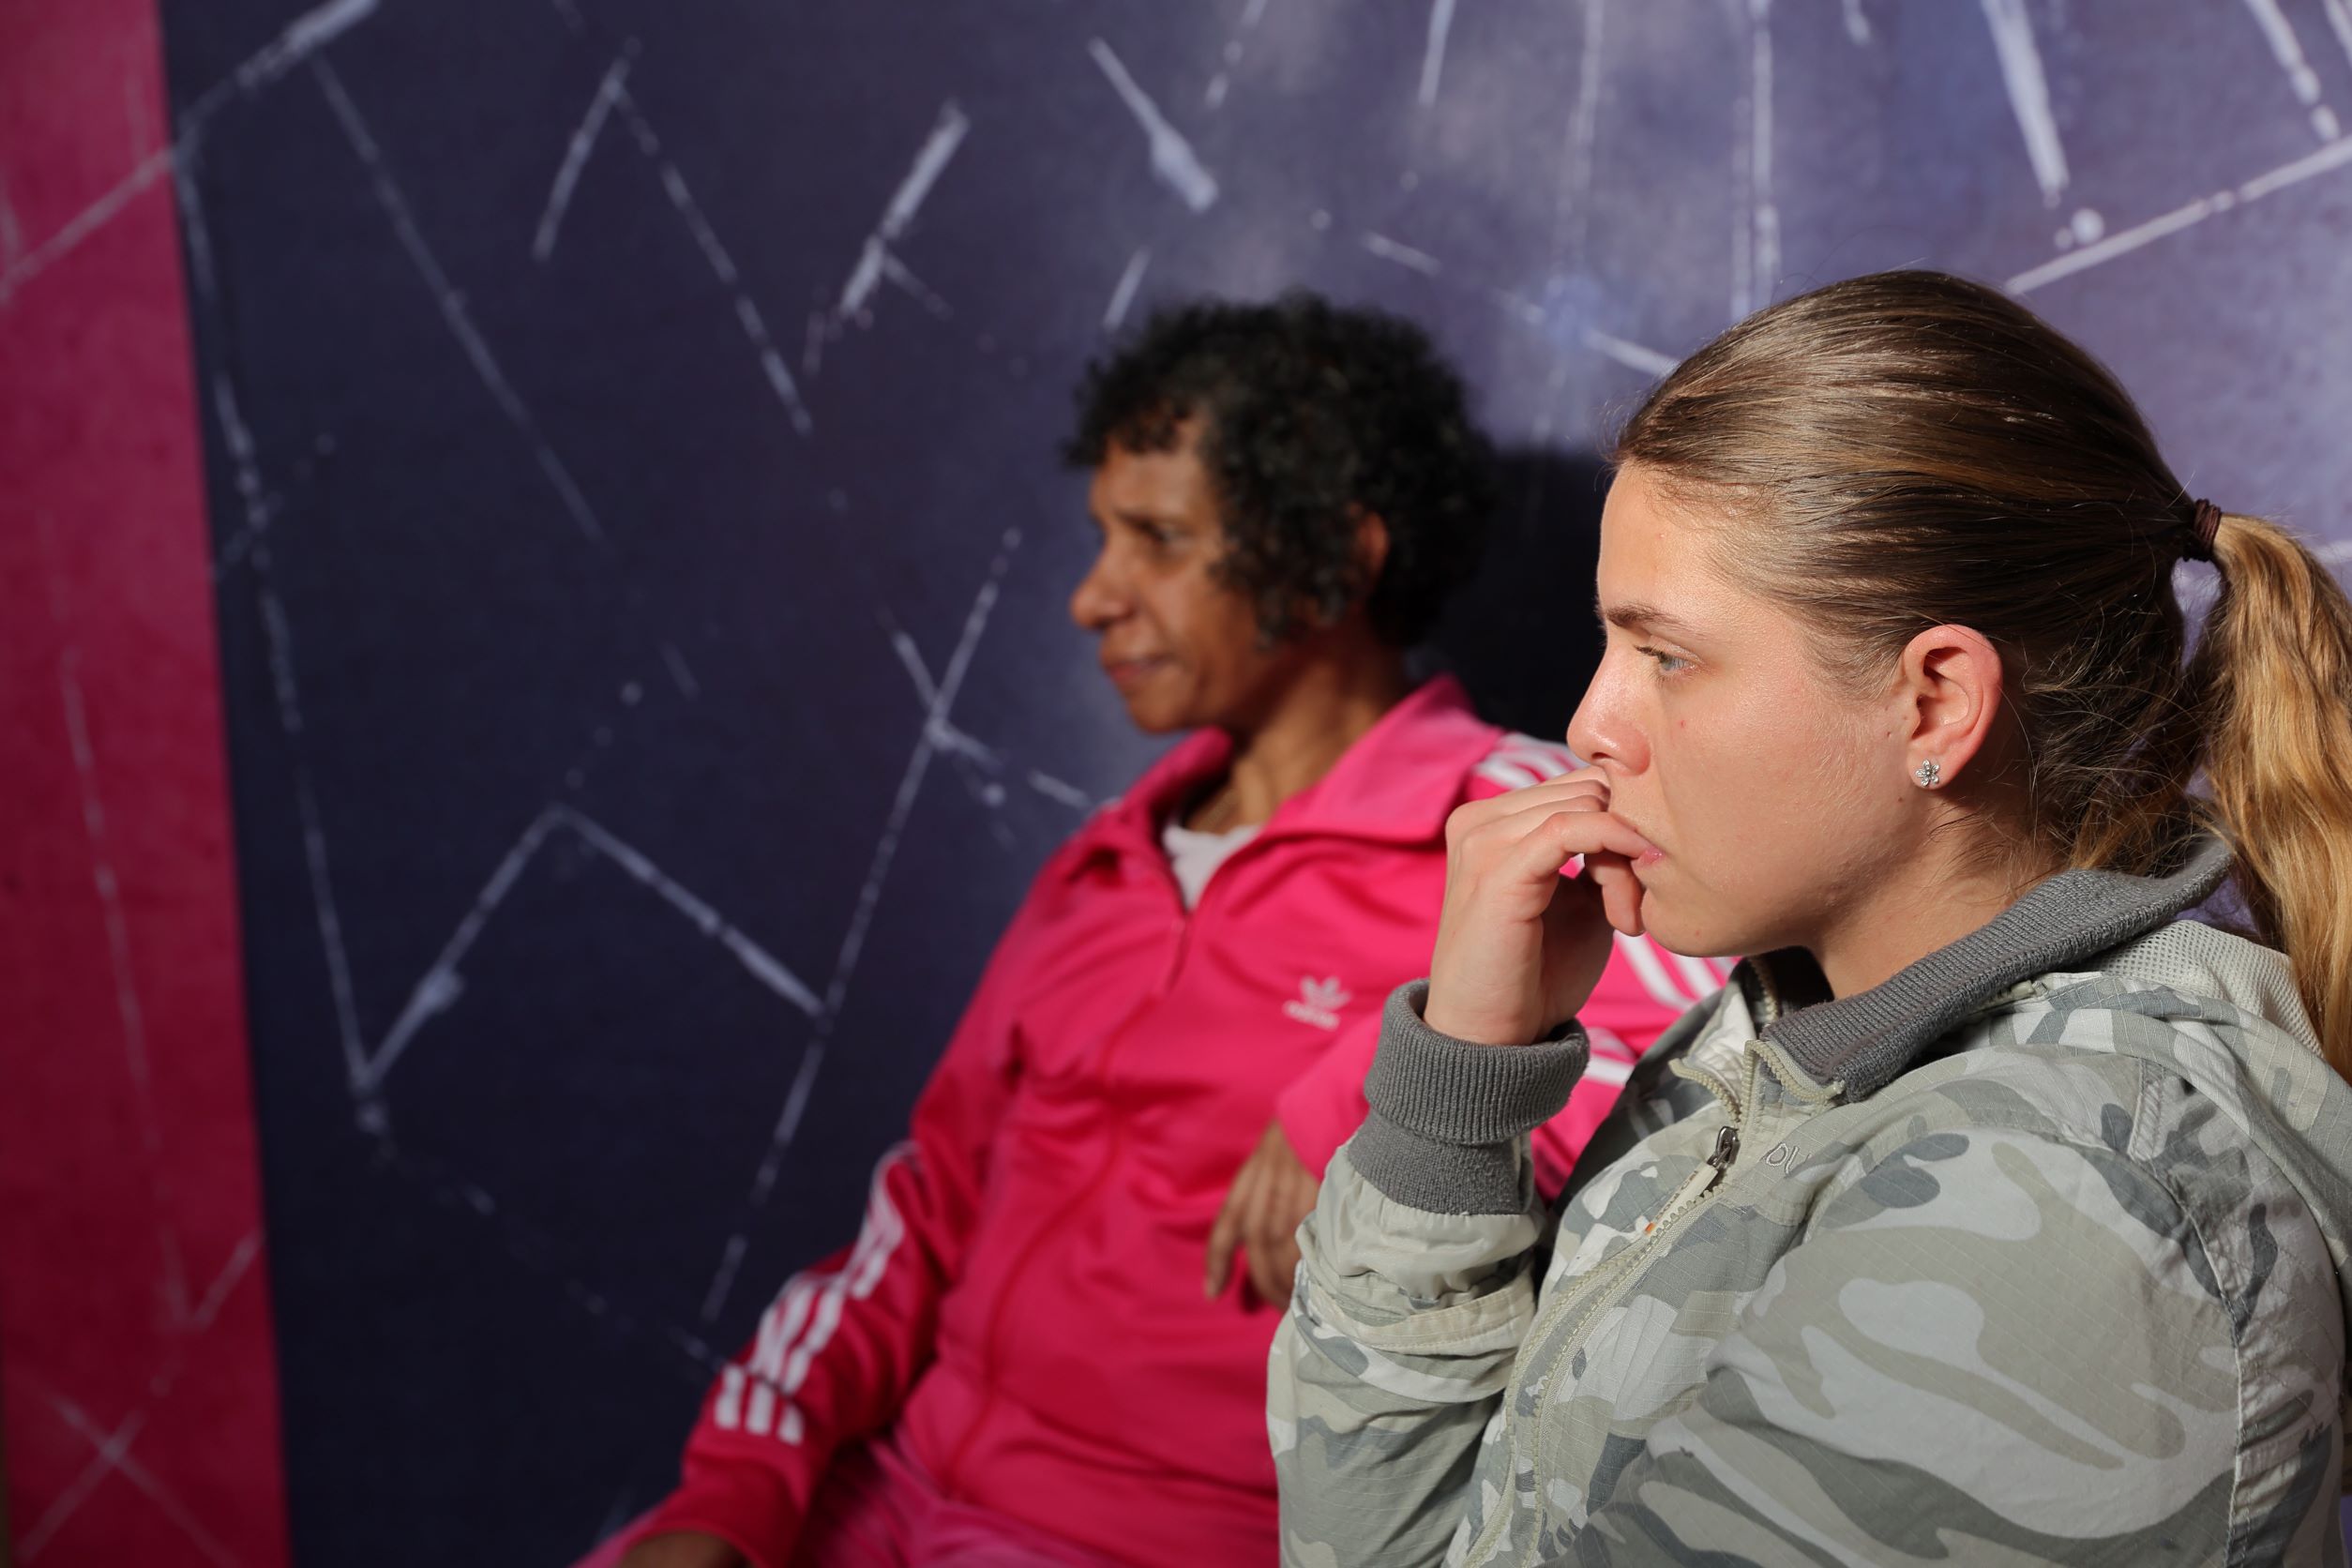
(2035, 1253)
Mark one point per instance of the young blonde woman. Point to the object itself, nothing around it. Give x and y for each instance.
(1998, 1211)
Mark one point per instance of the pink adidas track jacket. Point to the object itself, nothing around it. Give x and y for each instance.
(1024, 1300)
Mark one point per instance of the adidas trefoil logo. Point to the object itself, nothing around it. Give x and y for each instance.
(1318, 1001)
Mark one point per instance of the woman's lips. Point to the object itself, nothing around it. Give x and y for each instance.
(1126, 674)
(1650, 856)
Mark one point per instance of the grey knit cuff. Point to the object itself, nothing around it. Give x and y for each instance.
(1447, 1116)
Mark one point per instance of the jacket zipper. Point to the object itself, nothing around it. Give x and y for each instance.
(1701, 1184)
(991, 1342)
(1601, 1292)
(1603, 1287)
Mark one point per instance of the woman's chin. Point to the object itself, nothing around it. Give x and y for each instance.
(1155, 716)
(1673, 928)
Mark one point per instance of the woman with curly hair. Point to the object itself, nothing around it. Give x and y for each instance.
(1039, 1351)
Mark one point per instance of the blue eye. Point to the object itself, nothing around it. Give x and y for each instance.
(1668, 664)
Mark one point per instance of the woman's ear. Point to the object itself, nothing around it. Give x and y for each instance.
(1949, 688)
(1371, 549)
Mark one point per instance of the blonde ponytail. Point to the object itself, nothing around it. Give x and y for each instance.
(2274, 666)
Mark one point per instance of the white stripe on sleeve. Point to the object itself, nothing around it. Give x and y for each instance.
(1653, 970)
(812, 1300)
(1608, 1042)
(1699, 974)
(729, 1411)
(1546, 759)
(763, 1417)
(1607, 1069)
(1510, 776)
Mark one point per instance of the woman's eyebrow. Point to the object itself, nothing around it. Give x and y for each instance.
(1639, 617)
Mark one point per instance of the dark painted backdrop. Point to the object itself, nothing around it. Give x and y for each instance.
(641, 558)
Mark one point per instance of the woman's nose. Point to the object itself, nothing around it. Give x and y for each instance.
(1097, 601)
(1604, 728)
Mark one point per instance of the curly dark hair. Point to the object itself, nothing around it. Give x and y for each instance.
(1311, 413)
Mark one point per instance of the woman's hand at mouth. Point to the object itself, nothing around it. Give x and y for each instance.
(1519, 946)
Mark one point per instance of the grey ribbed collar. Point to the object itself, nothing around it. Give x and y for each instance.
(1869, 1039)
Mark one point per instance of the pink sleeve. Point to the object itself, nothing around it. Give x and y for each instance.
(838, 1350)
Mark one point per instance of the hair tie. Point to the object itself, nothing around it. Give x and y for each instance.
(2202, 527)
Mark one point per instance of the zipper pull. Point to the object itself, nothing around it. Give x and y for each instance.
(1726, 1150)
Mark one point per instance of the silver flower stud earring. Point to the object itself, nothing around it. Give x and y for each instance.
(1929, 773)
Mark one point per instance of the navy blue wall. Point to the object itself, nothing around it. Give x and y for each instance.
(642, 558)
